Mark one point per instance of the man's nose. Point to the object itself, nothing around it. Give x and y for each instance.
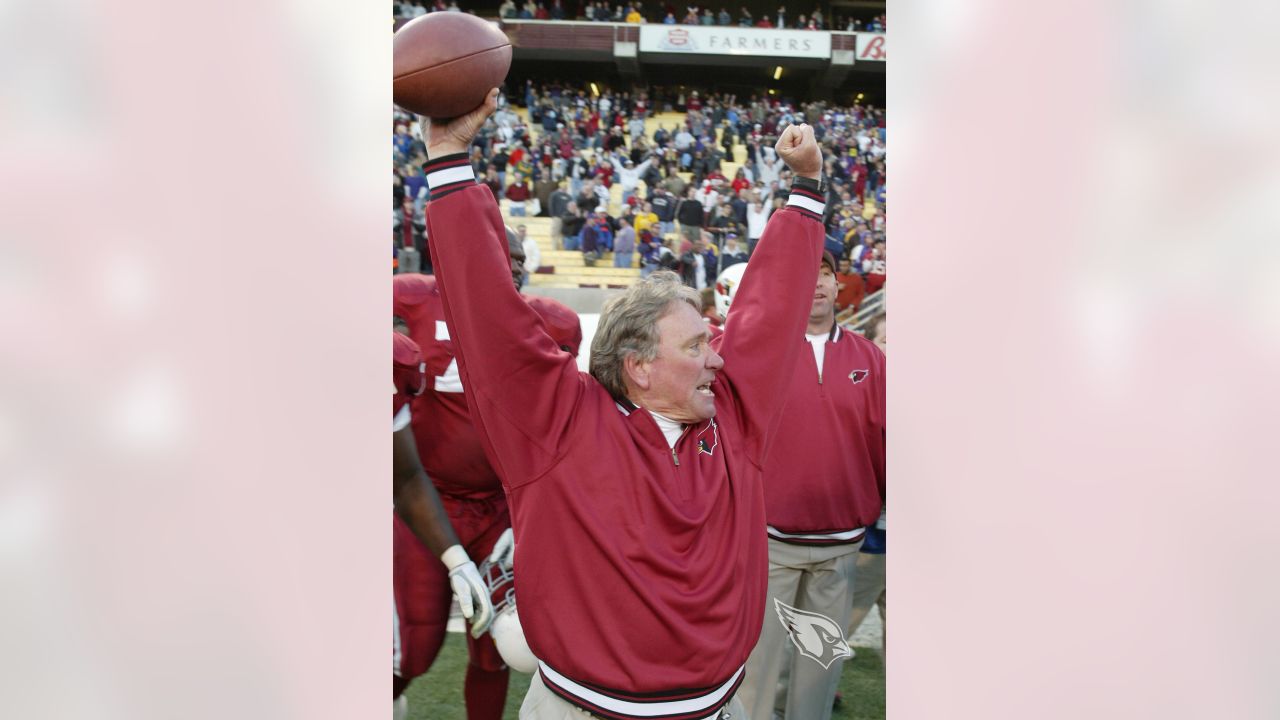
(714, 361)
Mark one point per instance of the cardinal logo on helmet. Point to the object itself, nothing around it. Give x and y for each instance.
(816, 636)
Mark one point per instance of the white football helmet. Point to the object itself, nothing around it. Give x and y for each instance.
(727, 286)
(507, 634)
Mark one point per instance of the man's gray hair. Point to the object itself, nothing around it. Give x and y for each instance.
(629, 326)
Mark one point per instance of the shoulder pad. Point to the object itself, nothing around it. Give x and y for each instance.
(412, 288)
(561, 321)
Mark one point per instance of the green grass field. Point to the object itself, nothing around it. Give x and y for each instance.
(438, 694)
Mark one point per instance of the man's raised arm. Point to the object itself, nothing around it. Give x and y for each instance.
(765, 328)
(520, 386)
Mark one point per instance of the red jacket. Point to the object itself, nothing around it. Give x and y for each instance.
(824, 477)
(641, 569)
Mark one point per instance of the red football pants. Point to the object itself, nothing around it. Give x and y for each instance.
(422, 592)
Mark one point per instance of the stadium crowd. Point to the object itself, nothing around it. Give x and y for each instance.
(679, 209)
(666, 13)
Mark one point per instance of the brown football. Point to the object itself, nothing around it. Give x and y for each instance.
(446, 62)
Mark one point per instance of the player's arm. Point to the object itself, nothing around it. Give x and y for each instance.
(418, 504)
(416, 500)
(764, 331)
(521, 388)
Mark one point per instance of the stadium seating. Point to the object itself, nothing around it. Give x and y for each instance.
(566, 269)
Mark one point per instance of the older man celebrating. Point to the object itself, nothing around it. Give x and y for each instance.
(635, 491)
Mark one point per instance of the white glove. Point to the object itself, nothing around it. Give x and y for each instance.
(504, 551)
(473, 596)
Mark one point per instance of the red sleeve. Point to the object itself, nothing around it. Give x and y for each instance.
(765, 328)
(520, 387)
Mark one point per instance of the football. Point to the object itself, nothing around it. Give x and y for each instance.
(446, 62)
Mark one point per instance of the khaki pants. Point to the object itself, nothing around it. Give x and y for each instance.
(817, 580)
(542, 704)
(868, 590)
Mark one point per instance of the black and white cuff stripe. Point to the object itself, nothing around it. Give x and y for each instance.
(806, 198)
(448, 174)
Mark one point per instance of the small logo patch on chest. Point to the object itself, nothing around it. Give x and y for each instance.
(707, 444)
(858, 376)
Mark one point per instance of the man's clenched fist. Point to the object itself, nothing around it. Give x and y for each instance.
(455, 135)
(799, 150)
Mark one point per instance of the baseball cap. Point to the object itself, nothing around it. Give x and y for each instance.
(830, 261)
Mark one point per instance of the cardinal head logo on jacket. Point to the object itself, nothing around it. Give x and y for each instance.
(815, 636)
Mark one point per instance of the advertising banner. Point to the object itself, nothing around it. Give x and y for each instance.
(871, 47)
(719, 40)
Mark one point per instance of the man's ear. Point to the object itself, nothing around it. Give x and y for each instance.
(636, 371)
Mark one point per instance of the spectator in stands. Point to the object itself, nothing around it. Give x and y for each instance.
(633, 15)
(875, 267)
(624, 245)
(782, 17)
(494, 182)
(597, 236)
(402, 141)
(542, 191)
(571, 224)
(723, 222)
(651, 248)
(733, 252)
(557, 10)
(646, 219)
(757, 215)
(518, 194)
(532, 253)
(669, 19)
(507, 9)
(556, 205)
(629, 175)
(690, 213)
(498, 162)
(745, 18)
(684, 141)
(664, 206)
(698, 265)
(724, 18)
(849, 287)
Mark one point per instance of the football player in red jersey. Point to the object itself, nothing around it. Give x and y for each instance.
(418, 506)
(454, 458)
